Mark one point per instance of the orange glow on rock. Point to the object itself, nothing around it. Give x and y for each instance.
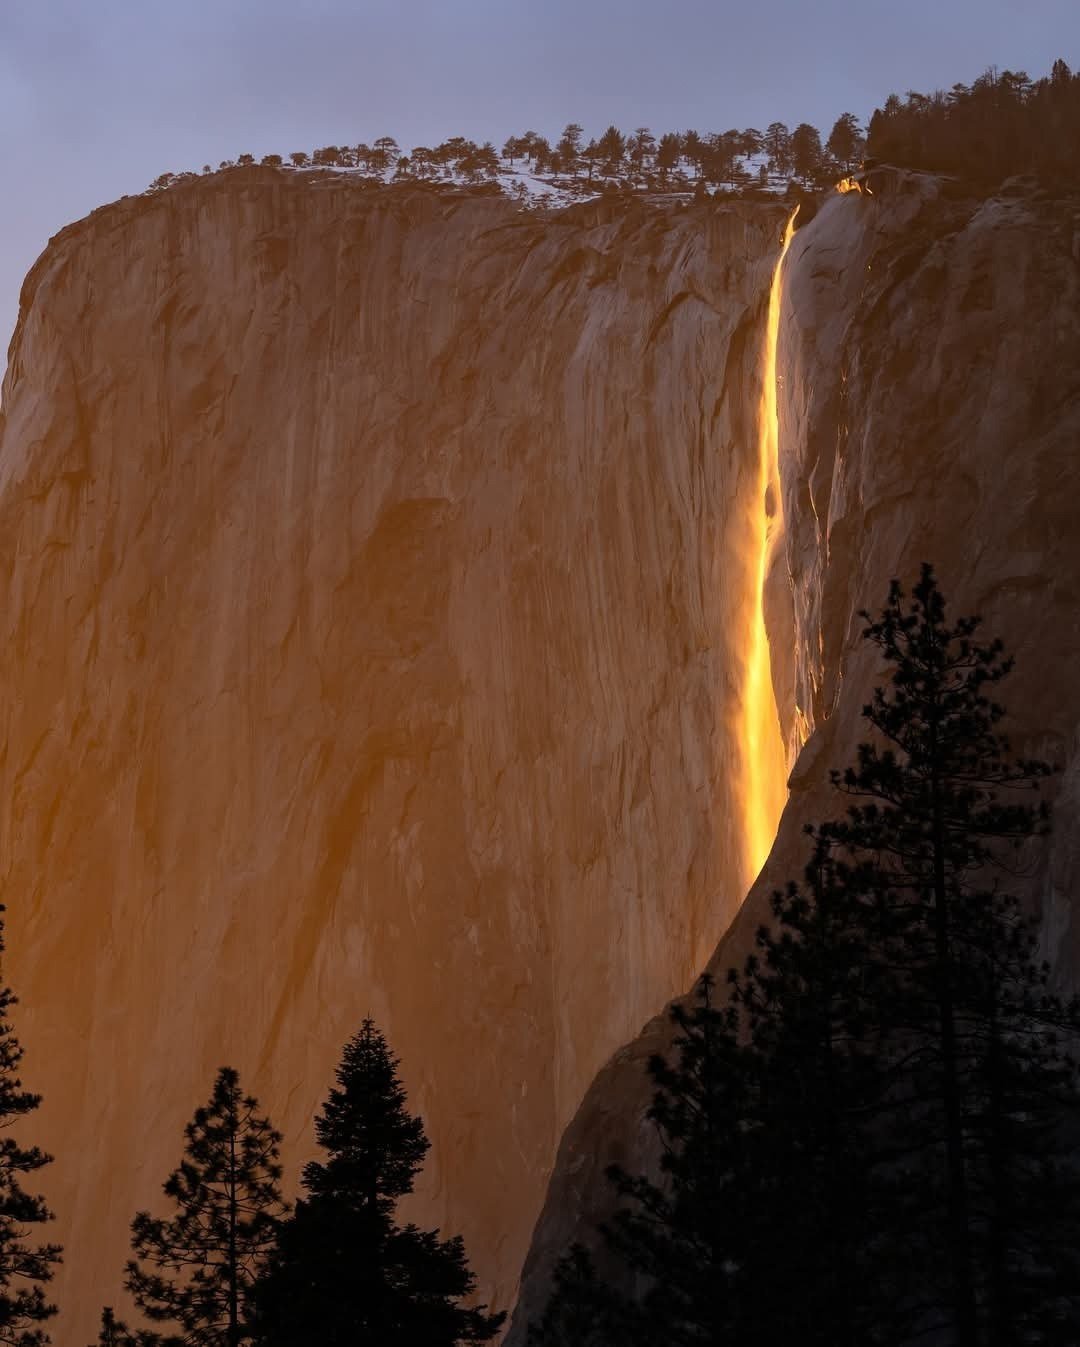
(765, 775)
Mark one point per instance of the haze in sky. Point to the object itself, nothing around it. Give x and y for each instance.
(97, 97)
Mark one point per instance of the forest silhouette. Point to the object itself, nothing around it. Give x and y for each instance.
(876, 1112)
(1002, 125)
(867, 1137)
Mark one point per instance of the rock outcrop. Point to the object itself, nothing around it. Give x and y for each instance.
(374, 573)
(929, 410)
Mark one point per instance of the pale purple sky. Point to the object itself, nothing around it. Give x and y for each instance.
(97, 97)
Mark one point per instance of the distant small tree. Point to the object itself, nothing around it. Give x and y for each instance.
(271, 161)
(693, 149)
(728, 150)
(384, 154)
(846, 142)
(806, 152)
(642, 146)
(197, 1268)
(245, 161)
(569, 147)
(668, 153)
(541, 154)
(25, 1267)
(488, 159)
(612, 149)
(719, 158)
(777, 145)
(344, 1271)
(299, 159)
(528, 143)
(423, 162)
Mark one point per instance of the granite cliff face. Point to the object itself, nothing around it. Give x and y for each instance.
(376, 572)
(929, 407)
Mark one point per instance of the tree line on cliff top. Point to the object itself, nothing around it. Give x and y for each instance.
(638, 160)
(867, 1137)
(1002, 124)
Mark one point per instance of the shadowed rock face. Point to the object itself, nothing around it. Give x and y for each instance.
(373, 578)
(929, 410)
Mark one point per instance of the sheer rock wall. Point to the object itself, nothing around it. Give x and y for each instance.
(372, 581)
(929, 410)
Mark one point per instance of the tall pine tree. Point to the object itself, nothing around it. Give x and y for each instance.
(872, 1144)
(25, 1266)
(196, 1269)
(941, 808)
(344, 1272)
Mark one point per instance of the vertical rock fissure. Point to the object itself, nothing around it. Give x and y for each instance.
(765, 767)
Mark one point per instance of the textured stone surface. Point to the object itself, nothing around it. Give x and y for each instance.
(374, 578)
(929, 370)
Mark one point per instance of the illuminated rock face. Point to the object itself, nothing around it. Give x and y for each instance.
(376, 570)
(929, 410)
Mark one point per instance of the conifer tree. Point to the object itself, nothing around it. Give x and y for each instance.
(680, 1240)
(940, 809)
(817, 1187)
(806, 152)
(25, 1266)
(777, 145)
(668, 153)
(878, 1122)
(196, 1269)
(612, 146)
(344, 1272)
(916, 1073)
(577, 1312)
(846, 141)
(115, 1333)
(693, 149)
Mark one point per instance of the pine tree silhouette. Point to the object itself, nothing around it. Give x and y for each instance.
(871, 1144)
(196, 1269)
(25, 1267)
(940, 809)
(815, 1177)
(681, 1239)
(344, 1272)
(115, 1333)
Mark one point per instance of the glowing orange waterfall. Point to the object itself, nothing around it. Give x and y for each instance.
(765, 775)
